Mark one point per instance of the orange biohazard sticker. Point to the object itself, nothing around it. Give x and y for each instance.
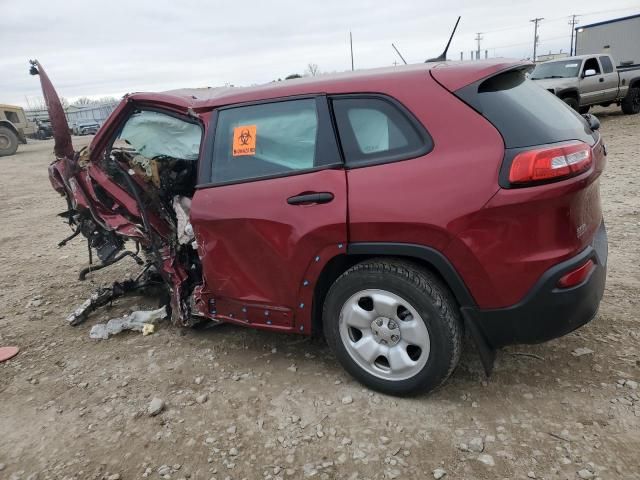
(244, 140)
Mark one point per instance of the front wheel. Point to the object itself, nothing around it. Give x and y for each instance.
(393, 326)
(631, 102)
(8, 142)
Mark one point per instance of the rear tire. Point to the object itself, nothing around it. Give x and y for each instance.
(631, 102)
(8, 142)
(393, 326)
(572, 102)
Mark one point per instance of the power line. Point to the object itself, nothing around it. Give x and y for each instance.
(535, 35)
(555, 19)
(540, 40)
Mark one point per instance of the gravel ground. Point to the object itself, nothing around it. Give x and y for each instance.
(236, 403)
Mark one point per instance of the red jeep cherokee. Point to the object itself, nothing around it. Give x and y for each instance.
(390, 209)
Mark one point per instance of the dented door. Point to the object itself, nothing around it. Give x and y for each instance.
(272, 198)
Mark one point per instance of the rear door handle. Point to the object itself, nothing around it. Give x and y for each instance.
(310, 198)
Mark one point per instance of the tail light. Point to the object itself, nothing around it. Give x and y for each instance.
(550, 163)
(577, 276)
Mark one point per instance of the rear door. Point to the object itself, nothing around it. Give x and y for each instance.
(272, 197)
(609, 81)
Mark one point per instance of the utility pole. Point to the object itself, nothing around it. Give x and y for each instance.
(535, 35)
(573, 22)
(478, 38)
(351, 45)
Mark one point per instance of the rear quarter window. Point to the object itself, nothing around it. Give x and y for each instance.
(376, 129)
(524, 113)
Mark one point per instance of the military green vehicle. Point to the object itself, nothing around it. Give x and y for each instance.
(14, 129)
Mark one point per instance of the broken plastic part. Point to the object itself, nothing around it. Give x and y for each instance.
(139, 321)
(182, 207)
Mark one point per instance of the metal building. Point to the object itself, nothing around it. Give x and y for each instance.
(619, 37)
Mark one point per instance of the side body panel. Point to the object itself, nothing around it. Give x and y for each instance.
(256, 248)
(425, 200)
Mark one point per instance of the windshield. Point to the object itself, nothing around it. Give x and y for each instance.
(567, 69)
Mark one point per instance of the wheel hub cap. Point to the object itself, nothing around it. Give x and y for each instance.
(4, 141)
(384, 334)
(386, 331)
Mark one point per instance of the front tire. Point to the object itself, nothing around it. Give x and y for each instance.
(393, 326)
(572, 102)
(631, 102)
(8, 142)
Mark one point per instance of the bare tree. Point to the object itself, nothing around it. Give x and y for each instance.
(83, 101)
(107, 100)
(312, 69)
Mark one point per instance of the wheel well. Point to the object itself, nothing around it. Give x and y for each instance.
(340, 264)
(635, 83)
(10, 126)
(569, 94)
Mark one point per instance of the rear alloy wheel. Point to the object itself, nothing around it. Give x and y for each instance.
(631, 102)
(8, 142)
(393, 326)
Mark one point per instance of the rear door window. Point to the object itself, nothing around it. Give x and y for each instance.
(523, 112)
(377, 130)
(607, 66)
(265, 140)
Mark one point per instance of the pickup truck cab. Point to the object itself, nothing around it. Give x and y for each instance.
(388, 210)
(586, 80)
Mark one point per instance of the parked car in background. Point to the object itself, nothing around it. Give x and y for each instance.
(586, 80)
(85, 127)
(14, 129)
(348, 205)
(43, 129)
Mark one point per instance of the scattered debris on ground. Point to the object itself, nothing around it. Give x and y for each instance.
(139, 321)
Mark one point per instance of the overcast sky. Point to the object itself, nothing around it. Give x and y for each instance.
(112, 47)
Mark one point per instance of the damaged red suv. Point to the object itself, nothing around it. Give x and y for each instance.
(390, 210)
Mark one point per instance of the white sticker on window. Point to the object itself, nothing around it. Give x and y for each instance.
(571, 65)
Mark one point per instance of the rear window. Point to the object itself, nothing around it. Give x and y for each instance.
(525, 113)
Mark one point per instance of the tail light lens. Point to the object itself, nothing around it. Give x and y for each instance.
(550, 163)
(577, 276)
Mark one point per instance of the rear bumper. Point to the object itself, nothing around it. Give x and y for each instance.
(548, 312)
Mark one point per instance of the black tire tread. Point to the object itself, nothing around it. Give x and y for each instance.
(627, 105)
(439, 295)
(13, 146)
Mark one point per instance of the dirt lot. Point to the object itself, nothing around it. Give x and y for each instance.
(247, 404)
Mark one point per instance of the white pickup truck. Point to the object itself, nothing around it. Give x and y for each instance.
(586, 80)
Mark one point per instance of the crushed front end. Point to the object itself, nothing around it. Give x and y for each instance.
(129, 194)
